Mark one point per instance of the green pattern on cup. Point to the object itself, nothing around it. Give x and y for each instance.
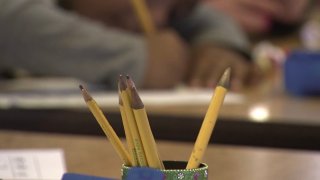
(175, 170)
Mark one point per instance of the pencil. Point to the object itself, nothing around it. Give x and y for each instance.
(132, 122)
(209, 121)
(106, 127)
(145, 131)
(128, 135)
(144, 16)
(127, 132)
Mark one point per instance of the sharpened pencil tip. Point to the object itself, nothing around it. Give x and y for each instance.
(122, 83)
(136, 100)
(130, 82)
(225, 79)
(85, 94)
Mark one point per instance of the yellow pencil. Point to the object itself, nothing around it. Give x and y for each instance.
(128, 134)
(132, 122)
(145, 131)
(209, 121)
(106, 127)
(144, 16)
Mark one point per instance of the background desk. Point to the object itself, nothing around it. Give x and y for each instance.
(95, 156)
(293, 122)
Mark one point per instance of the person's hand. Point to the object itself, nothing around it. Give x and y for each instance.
(210, 62)
(167, 61)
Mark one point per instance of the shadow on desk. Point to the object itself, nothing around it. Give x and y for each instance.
(235, 132)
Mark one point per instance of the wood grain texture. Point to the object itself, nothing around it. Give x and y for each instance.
(95, 156)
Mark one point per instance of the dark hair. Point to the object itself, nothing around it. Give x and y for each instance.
(183, 8)
(65, 4)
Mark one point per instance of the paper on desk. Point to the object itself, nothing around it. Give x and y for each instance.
(186, 97)
(42, 164)
(64, 93)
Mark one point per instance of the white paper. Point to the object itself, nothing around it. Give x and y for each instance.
(65, 93)
(44, 164)
(110, 99)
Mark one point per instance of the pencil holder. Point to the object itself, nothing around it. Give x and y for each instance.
(174, 170)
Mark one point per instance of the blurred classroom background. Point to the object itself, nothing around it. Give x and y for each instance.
(268, 129)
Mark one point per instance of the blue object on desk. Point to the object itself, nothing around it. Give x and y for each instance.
(140, 173)
(302, 73)
(143, 173)
(73, 176)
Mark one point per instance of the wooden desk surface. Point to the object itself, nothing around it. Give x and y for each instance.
(279, 106)
(94, 155)
(288, 121)
(292, 123)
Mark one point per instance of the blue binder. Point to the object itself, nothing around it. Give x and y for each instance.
(73, 176)
(302, 73)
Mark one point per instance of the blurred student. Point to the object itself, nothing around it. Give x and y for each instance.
(99, 39)
(263, 16)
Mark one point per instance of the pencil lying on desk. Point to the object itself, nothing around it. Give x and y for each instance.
(144, 128)
(141, 156)
(209, 121)
(106, 127)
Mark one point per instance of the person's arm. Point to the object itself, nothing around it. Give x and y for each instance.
(38, 37)
(204, 25)
(218, 43)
